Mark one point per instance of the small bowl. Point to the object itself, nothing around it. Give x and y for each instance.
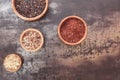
(29, 19)
(10, 59)
(35, 30)
(85, 33)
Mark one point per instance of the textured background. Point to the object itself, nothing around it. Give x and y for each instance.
(96, 58)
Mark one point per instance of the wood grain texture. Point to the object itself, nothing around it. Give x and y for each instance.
(96, 58)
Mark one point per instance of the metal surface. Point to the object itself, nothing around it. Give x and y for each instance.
(96, 58)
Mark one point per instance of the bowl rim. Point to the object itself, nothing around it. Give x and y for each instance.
(29, 19)
(59, 27)
(33, 29)
(20, 62)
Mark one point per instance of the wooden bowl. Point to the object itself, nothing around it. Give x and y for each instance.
(35, 30)
(29, 19)
(59, 28)
(12, 62)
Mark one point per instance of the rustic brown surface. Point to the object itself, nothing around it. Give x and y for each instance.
(97, 58)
